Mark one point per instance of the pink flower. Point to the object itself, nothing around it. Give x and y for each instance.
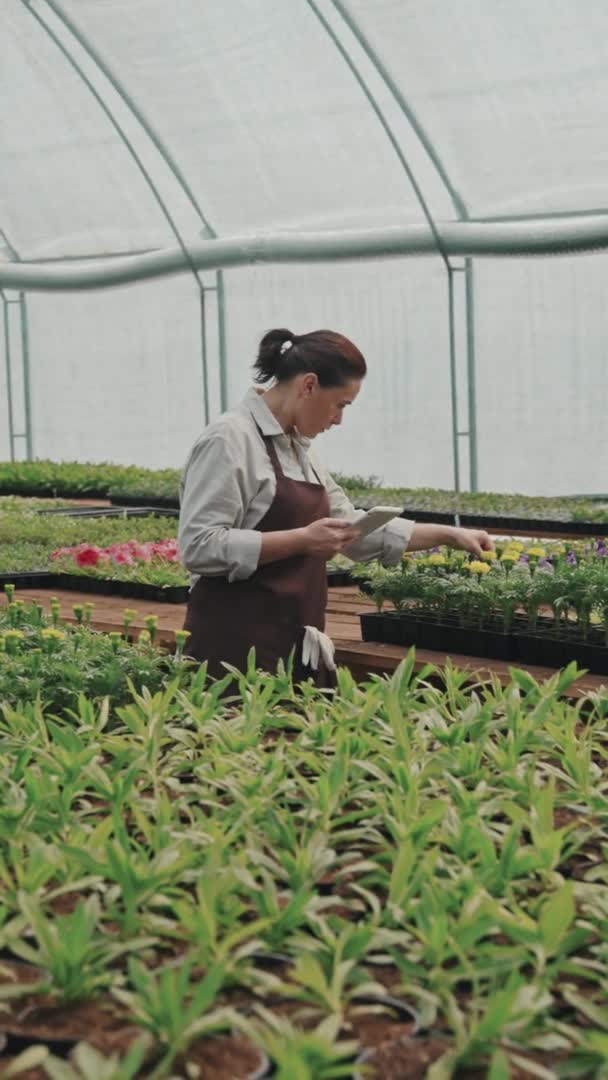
(122, 558)
(61, 551)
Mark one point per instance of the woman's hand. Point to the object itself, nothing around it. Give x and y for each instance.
(328, 536)
(474, 540)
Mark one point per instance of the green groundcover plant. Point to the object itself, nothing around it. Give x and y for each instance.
(78, 479)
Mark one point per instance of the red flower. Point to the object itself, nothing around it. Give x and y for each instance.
(88, 556)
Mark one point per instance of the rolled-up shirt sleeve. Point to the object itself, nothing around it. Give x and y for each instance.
(386, 544)
(212, 540)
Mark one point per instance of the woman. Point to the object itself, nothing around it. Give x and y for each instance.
(260, 516)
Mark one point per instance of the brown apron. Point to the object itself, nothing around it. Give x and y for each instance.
(270, 609)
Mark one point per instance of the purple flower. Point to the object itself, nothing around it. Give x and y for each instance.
(571, 559)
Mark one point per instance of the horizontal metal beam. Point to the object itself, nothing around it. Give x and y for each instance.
(563, 237)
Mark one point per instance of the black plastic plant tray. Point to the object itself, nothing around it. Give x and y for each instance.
(111, 511)
(25, 492)
(26, 579)
(556, 652)
(372, 626)
(337, 577)
(391, 628)
(134, 590)
(166, 502)
(542, 647)
(450, 637)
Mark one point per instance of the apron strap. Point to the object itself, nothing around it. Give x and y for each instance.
(271, 450)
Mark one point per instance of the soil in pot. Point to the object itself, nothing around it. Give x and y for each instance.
(404, 1058)
(409, 1058)
(36, 1018)
(224, 1057)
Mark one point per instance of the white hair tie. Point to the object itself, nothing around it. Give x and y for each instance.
(285, 346)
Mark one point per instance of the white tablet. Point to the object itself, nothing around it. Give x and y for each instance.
(376, 518)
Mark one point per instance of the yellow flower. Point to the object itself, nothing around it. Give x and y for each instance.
(437, 560)
(144, 637)
(509, 556)
(50, 633)
(536, 552)
(477, 567)
(489, 556)
(181, 637)
(11, 637)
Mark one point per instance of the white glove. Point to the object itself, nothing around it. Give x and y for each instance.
(317, 645)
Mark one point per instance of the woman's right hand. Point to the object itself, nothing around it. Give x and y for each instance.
(328, 536)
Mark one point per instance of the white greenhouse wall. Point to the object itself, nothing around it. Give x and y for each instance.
(542, 363)
(117, 375)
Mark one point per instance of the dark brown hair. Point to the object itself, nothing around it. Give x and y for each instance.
(332, 357)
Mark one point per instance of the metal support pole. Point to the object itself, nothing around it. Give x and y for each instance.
(9, 376)
(25, 360)
(471, 383)
(453, 386)
(204, 352)
(221, 328)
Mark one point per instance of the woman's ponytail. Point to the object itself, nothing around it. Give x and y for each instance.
(272, 360)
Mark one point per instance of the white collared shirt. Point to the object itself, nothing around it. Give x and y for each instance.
(228, 485)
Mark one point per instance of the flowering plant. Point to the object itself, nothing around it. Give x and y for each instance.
(121, 554)
(151, 562)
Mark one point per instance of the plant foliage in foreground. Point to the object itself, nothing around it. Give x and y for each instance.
(445, 842)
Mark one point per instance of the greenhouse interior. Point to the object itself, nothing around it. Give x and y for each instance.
(303, 539)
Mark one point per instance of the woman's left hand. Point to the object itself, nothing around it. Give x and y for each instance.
(474, 540)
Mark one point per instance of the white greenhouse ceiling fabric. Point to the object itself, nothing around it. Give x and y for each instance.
(268, 123)
(153, 125)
